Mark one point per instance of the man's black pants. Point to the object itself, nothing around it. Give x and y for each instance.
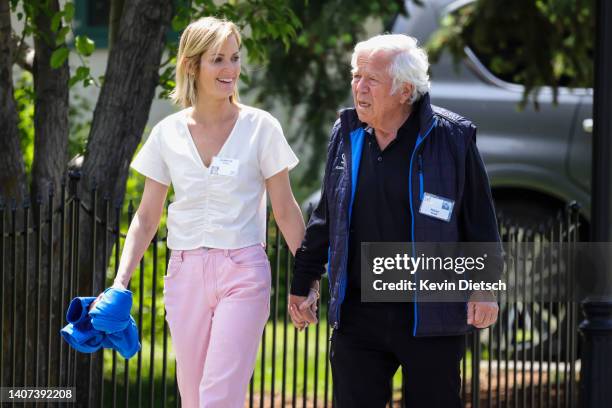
(373, 340)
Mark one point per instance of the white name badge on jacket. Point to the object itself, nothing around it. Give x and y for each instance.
(222, 166)
(437, 207)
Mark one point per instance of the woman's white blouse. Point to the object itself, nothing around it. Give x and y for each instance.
(223, 205)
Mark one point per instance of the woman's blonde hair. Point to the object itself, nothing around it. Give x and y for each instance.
(199, 37)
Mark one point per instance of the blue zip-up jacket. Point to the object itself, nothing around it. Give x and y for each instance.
(437, 166)
(107, 325)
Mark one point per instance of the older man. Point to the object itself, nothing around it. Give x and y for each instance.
(384, 154)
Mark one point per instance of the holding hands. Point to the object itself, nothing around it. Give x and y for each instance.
(303, 309)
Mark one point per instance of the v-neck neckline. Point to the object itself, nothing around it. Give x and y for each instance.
(195, 147)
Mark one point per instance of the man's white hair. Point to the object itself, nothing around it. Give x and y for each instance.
(408, 65)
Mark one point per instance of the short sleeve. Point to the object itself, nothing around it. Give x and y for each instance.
(275, 154)
(149, 160)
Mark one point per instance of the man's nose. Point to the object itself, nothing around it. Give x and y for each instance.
(361, 85)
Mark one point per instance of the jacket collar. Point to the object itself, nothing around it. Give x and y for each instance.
(350, 121)
(425, 112)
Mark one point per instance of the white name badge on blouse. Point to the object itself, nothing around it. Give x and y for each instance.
(437, 207)
(222, 166)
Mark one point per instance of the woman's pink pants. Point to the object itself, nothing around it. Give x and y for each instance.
(217, 304)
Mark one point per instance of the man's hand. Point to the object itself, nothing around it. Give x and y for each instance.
(482, 311)
(302, 309)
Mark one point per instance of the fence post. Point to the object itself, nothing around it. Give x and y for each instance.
(595, 390)
(596, 371)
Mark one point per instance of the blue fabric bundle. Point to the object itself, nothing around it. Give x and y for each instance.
(107, 325)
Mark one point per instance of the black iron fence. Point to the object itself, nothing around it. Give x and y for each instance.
(529, 358)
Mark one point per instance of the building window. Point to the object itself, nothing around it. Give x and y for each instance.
(92, 17)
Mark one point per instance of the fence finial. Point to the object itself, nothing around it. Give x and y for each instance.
(574, 206)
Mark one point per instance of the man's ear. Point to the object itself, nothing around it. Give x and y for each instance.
(406, 92)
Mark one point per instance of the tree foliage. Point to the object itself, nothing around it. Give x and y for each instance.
(42, 49)
(299, 49)
(536, 43)
(312, 76)
(260, 22)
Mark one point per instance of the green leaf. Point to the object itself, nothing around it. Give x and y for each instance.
(61, 36)
(58, 57)
(72, 81)
(179, 22)
(82, 72)
(69, 11)
(84, 45)
(55, 21)
(272, 29)
(302, 40)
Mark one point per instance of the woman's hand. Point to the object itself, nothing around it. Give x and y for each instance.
(117, 285)
(95, 301)
(303, 309)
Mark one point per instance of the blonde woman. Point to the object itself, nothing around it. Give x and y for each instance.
(221, 158)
